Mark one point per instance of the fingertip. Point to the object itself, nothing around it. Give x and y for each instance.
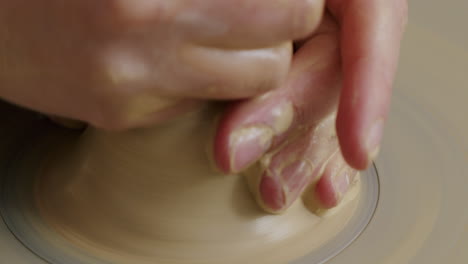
(331, 188)
(349, 138)
(371, 35)
(360, 136)
(240, 141)
(324, 194)
(273, 197)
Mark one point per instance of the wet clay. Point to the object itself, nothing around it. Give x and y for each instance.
(151, 196)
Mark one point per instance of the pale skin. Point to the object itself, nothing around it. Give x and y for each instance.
(366, 38)
(121, 64)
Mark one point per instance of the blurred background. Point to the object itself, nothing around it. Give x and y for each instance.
(434, 57)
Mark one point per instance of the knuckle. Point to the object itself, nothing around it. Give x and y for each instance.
(124, 89)
(122, 66)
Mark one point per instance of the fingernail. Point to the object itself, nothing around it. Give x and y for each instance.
(248, 144)
(373, 139)
(277, 194)
(272, 194)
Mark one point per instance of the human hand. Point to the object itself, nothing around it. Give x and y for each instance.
(119, 64)
(344, 72)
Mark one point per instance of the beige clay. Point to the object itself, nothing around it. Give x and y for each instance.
(422, 188)
(150, 196)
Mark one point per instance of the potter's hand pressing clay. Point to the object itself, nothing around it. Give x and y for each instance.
(291, 131)
(124, 64)
(118, 64)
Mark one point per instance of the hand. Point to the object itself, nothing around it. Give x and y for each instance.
(118, 64)
(344, 72)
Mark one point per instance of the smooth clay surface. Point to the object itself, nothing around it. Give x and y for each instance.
(151, 196)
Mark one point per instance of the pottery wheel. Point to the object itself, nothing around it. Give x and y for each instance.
(81, 199)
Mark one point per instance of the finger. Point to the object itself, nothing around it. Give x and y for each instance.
(212, 73)
(227, 24)
(249, 129)
(284, 173)
(370, 39)
(336, 180)
(249, 23)
(194, 71)
(142, 92)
